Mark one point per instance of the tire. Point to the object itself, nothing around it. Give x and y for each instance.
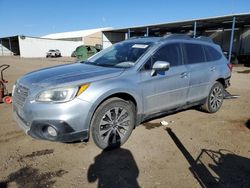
(113, 123)
(215, 98)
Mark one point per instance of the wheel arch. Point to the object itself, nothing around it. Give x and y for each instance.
(122, 95)
(222, 81)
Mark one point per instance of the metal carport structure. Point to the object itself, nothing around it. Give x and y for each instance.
(231, 32)
(9, 46)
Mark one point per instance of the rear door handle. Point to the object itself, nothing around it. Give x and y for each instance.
(212, 68)
(184, 75)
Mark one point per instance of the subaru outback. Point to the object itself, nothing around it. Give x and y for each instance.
(105, 97)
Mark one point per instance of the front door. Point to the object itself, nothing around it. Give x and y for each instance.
(166, 89)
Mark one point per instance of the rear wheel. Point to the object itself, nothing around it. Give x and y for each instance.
(214, 99)
(113, 123)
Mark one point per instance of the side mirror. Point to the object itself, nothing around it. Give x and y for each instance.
(160, 66)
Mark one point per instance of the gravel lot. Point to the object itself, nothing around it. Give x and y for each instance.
(195, 149)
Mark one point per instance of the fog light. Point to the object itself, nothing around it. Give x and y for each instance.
(52, 131)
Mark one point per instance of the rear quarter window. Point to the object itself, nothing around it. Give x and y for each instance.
(194, 53)
(211, 53)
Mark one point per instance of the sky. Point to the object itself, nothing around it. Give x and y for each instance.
(42, 17)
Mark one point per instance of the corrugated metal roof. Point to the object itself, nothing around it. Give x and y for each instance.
(75, 34)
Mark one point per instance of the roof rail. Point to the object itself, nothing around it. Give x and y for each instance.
(207, 39)
(185, 36)
(136, 37)
(170, 36)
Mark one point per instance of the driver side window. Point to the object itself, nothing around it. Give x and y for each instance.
(170, 53)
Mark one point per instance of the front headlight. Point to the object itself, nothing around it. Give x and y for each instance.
(64, 94)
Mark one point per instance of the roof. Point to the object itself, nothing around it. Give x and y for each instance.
(75, 34)
(182, 37)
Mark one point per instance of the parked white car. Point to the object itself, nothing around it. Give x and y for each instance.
(53, 53)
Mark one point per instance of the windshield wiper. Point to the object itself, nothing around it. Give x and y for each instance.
(86, 62)
(96, 64)
(105, 65)
(125, 64)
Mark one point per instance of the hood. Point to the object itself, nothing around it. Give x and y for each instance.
(63, 74)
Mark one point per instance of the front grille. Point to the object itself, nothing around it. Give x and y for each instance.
(20, 95)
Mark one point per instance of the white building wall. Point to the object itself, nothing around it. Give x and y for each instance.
(37, 47)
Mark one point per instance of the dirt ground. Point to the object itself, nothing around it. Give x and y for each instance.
(195, 149)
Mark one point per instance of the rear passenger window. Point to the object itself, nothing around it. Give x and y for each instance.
(211, 53)
(170, 53)
(194, 53)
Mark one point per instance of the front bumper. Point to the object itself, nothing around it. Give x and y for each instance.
(50, 55)
(38, 130)
(70, 120)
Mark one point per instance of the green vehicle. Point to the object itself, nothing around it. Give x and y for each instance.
(84, 52)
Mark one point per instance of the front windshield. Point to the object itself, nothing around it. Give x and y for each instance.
(123, 55)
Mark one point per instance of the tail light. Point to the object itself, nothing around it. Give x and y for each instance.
(230, 66)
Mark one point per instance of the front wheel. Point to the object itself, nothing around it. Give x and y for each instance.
(214, 99)
(113, 123)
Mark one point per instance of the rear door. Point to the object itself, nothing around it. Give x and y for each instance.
(199, 71)
(166, 89)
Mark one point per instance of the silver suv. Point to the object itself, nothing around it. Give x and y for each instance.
(107, 96)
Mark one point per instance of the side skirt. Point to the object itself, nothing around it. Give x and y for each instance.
(170, 111)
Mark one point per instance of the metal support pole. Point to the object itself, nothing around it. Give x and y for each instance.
(126, 36)
(147, 33)
(128, 33)
(101, 39)
(2, 46)
(10, 45)
(195, 25)
(231, 40)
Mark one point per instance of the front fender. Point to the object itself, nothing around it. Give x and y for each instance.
(100, 91)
